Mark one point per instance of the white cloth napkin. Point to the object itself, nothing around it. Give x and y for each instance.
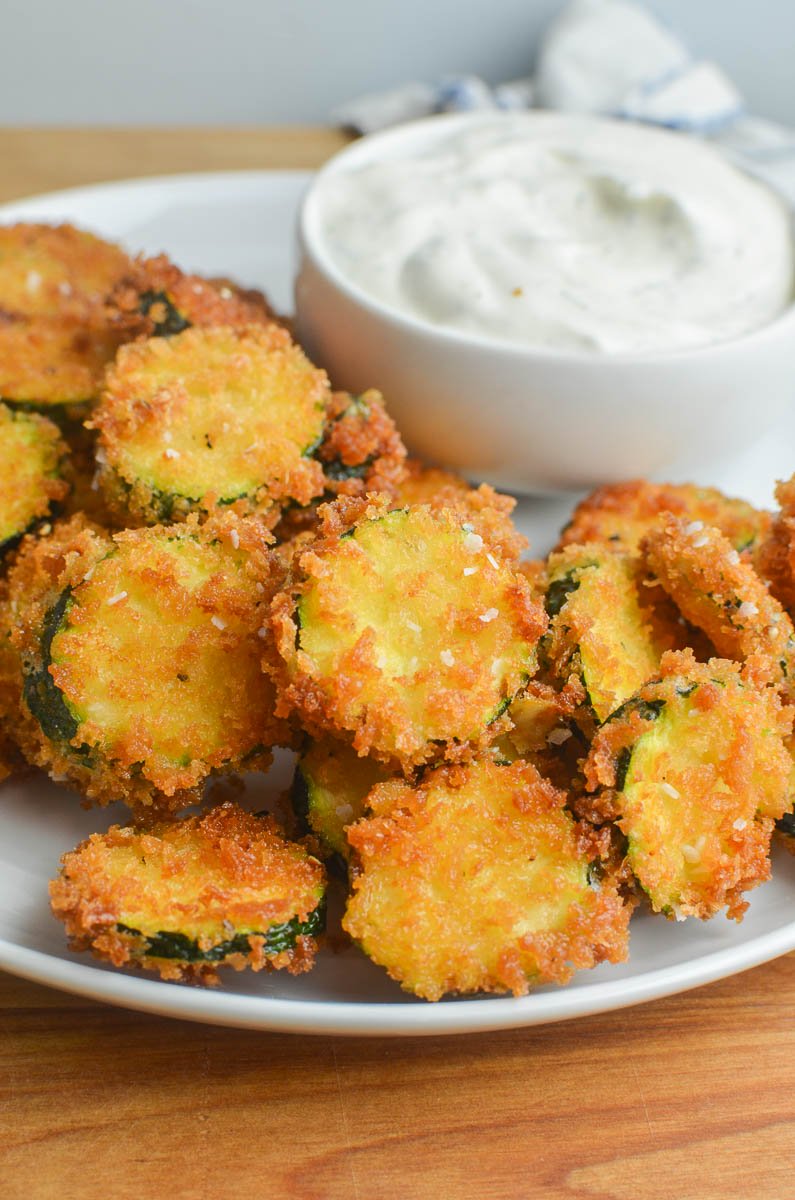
(613, 58)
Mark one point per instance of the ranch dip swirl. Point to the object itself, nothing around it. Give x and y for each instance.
(563, 232)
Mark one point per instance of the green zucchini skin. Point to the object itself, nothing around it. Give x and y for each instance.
(42, 695)
(278, 939)
(334, 469)
(558, 593)
(173, 322)
(786, 825)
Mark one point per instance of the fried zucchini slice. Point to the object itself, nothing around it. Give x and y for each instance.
(774, 557)
(32, 461)
(623, 513)
(186, 897)
(361, 450)
(330, 787)
(156, 299)
(722, 594)
(9, 755)
(429, 485)
(56, 270)
(546, 733)
(54, 337)
(599, 629)
(405, 630)
(695, 770)
(209, 418)
(488, 512)
(139, 657)
(478, 880)
(53, 362)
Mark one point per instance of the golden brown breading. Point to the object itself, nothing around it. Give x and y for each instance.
(208, 419)
(404, 629)
(186, 897)
(426, 485)
(50, 362)
(54, 336)
(476, 879)
(56, 271)
(719, 592)
(694, 769)
(362, 450)
(156, 297)
(137, 657)
(774, 557)
(488, 511)
(624, 513)
(33, 463)
(601, 628)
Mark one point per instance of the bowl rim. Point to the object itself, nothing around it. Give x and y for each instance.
(311, 245)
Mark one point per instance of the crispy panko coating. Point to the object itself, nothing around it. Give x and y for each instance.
(427, 485)
(403, 629)
(477, 879)
(56, 271)
(774, 557)
(601, 628)
(54, 337)
(623, 513)
(185, 897)
(361, 450)
(330, 790)
(695, 771)
(51, 362)
(361, 453)
(137, 657)
(32, 466)
(9, 755)
(488, 511)
(156, 298)
(252, 297)
(210, 418)
(546, 733)
(719, 592)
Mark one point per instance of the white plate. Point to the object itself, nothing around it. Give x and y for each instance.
(241, 224)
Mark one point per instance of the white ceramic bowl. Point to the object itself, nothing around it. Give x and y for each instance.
(526, 419)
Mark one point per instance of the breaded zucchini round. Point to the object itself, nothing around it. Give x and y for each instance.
(56, 270)
(156, 299)
(429, 485)
(720, 593)
(209, 418)
(186, 897)
(599, 628)
(623, 513)
(477, 879)
(9, 755)
(488, 512)
(54, 336)
(32, 459)
(361, 449)
(53, 362)
(774, 557)
(405, 630)
(695, 770)
(330, 787)
(139, 657)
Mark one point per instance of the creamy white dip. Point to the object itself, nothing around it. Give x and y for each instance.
(560, 231)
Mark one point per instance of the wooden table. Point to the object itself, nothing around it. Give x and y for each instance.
(689, 1098)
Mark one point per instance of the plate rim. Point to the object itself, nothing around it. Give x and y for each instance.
(352, 1018)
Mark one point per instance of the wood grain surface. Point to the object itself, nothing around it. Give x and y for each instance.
(690, 1098)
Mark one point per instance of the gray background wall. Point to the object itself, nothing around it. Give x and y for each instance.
(257, 61)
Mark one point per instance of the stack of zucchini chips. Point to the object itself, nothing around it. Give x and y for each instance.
(207, 553)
